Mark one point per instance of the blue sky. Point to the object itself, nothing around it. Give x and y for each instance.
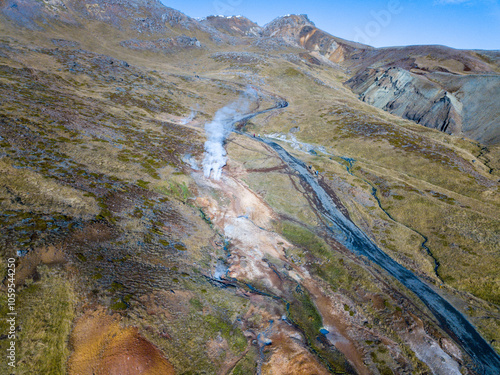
(468, 24)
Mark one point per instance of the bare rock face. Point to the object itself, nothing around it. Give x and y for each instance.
(299, 31)
(454, 104)
(164, 45)
(142, 16)
(479, 97)
(233, 25)
(435, 86)
(409, 96)
(287, 26)
(424, 59)
(33, 15)
(439, 87)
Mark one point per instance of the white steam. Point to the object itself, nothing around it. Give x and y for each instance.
(219, 128)
(190, 118)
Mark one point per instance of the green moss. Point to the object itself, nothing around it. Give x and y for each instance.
(119, 304)
(385, 370)
(116, 286)
(177, 190)
(293, 73)
(303, 312)
(205, 217)
(442, 197)
(218, 324)
(248, 364)
(81, 257)
(106, 214)
(485, 288)
(196, 303)
(137, 213)
(143, 184)
(305, 239)
(180, 247)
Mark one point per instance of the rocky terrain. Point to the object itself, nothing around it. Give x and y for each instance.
(130, 260)
(435, 86)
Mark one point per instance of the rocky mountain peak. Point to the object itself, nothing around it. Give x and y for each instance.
(148, 16)
(290, 19)
(233, 25)
(288, 25)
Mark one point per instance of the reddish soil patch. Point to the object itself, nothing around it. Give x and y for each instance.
(265, 170)
(289, 357)
(102, 346)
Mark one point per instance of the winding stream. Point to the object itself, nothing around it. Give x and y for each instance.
(346, 232)
(486, 360)
(424, 246)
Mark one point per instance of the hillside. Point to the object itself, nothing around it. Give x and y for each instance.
(130, 260)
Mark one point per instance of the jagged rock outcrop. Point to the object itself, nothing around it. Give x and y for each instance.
(455, 104)
(233, 25)
(409, 96)
(398, 79)
(423, 60)
(165, 45)
(34, 14)
(142, 16)
(299, 31)
(479, 97)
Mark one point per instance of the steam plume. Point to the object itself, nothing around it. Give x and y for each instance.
(190, 118)
(219, 128)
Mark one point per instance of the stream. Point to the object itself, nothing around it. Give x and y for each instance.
(486, 360)
(350, 164)
(347, 233)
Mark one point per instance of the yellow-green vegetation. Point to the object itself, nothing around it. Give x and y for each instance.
(248, 364)
(178, 190)
(23, 187)
(303, 312)
(269, 178)
(45, 311)
(327, 264)
(433, 185)
(306, 239)
(203, 328)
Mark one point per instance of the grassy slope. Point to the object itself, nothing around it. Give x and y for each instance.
(425, 180)
(113, 164)
(430, 184)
